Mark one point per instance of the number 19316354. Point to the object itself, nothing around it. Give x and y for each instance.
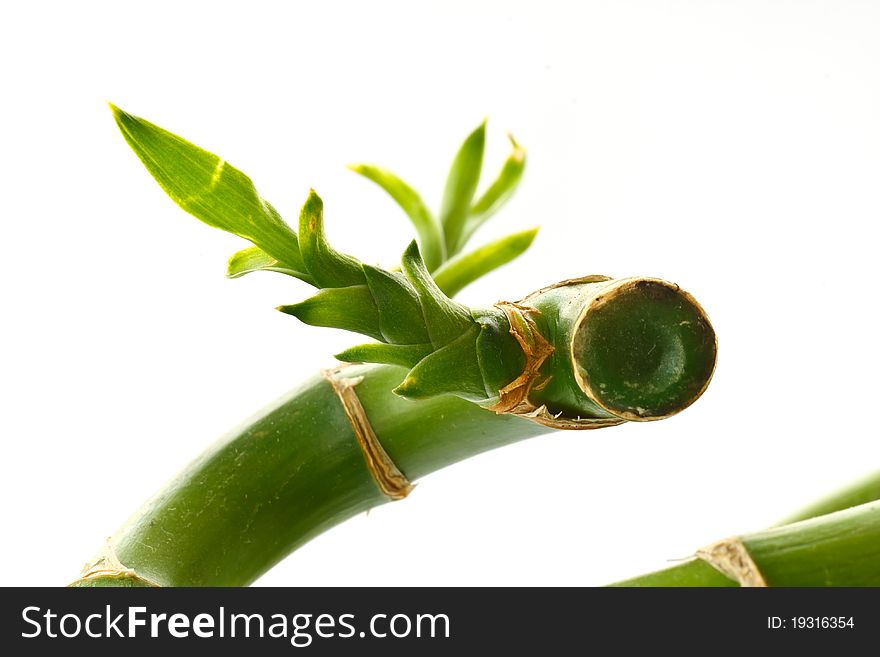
(810, 622)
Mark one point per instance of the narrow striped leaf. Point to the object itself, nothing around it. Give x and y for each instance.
(254, 259)
(347, 308)
(453, 276)
(499, 191)
(209, 188)
(444, 318)
(427, 227)
(406, 355)
(461, 185)
(327, 266)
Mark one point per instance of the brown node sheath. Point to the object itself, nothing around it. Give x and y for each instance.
(107, 564)
(388, 477)
(514, 397)
(536, 350)
(730, 557)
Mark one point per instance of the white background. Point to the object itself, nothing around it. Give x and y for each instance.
(733, 148)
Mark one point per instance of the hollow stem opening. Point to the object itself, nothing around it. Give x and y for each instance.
(643, 349)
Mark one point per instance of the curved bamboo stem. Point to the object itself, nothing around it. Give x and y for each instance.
(289, 473)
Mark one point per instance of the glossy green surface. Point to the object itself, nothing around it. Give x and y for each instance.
(860, 492)
(291, 472)
(449, 348)
(461, 186)
(428, 228)
(559, 309)
(456, 274)
(296, 469)
(211, 189)
(836, 549)
(460, 215)
(691, 573)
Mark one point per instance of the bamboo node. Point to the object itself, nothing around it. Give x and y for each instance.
(107, 564)
(513, 399)
(730, 557)
(536, 349)
(388, 477)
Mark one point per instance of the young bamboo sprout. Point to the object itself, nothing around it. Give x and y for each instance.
(441, 382)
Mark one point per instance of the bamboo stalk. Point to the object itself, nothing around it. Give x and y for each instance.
(698, 572)
(836, 549)
(291, 472)
(581, 354)
(861, 491)
(322, 455)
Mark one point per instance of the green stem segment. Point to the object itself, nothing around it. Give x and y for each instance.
(632, 349)
(299, 467)
(291, 472)
(581, 354)
(697, 572)
(860, 492)
(837, 549)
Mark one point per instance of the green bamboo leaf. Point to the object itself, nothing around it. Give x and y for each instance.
(444, 318)
(406, 355)
(328, 267)
(400, 313)
(254, 259)
(427, 227)
(451, 369)
(461, 185)
(454, 275)
(499, 192)
(209, 188)
(347, 308)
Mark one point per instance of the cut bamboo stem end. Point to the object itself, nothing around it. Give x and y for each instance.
(644, 349)
(297, 467)
(632, 349)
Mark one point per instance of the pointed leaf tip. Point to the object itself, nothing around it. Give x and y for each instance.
(461, 185)
(327, 266)
(427, 227)
(208, 187)
(518, 150)
(405, 388)
(254, 259)
(453, 276)
(499, 192)
(347, 308)
(313, 200)
(445, 319)
(452, 369)
(389, 354)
